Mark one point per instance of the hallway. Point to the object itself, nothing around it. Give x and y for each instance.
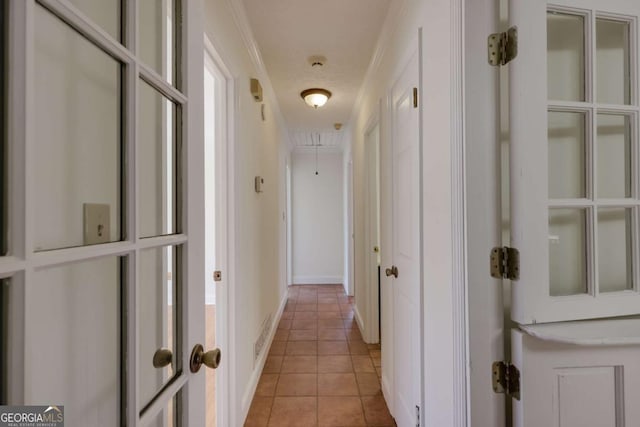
(319, 372)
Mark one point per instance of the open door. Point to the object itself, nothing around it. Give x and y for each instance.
(102, 279)
(575, 212)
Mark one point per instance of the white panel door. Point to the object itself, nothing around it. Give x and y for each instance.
(406, 246)
(574, 159)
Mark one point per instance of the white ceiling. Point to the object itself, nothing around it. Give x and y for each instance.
(288, 32)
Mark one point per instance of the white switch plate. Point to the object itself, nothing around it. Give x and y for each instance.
(96, 223)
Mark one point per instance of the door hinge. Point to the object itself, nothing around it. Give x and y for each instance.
(506, 379)
(503, 47)
(505, 263)
(415, 97)
(217, 276)
(417, 416)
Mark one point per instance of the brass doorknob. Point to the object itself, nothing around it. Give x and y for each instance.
(162, 357)
(210, 359)
(393, 271)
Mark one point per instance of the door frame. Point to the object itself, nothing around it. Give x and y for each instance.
(225, 297)
(371, 323)
(483, 200)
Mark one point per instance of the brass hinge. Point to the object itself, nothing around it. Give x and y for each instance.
(503, 47)
(415, 97)
(505, 263)
(506, 379)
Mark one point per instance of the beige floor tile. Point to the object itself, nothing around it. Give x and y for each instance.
(340, 411)
(267, 385)
(337, 385)
(331, 335)
(362, 364)
(297, 385)
(303, 335)
(376, 412)
(302, 348)
(299, 364)
(332, 348)
(304, 324)
(330, 323)
(294, 412)
(334, 364)
(277, 348)
(368, 384)
(272, 365)
(259, 412)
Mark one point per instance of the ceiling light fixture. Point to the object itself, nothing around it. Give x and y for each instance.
(315, 97)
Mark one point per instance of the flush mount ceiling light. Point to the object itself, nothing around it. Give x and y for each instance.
(315, 97)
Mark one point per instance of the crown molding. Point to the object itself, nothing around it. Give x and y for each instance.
(242, 22)
(396, 10)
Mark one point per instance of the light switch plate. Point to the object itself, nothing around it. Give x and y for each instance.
(96, 223)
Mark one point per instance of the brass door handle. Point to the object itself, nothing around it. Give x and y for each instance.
(162, 357)
(211, 359)
(393, 271)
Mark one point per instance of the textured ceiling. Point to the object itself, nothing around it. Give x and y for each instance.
(288, 32)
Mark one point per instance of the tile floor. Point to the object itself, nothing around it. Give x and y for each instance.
(319, 372)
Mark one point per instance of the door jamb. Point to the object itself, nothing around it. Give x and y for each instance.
(225, 295)
(372, 325)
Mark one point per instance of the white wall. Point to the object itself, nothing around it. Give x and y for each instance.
(259, 226)
(318, 218)
(443, 405)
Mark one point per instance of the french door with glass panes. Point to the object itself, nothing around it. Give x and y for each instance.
(575, 211)
(102, 285)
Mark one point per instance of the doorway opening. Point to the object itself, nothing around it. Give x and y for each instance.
(217, 299)
(372, 232)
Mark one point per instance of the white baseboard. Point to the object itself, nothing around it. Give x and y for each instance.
(247, 397)
(359, 322)
(387, 394)
(317, 280)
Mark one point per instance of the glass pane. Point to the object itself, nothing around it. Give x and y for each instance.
(156, 30)
(157, 164)
(565, 57)
(157, 343)
(566, 155)
(567, 252)
(167, 417)
(614, 156)
(614, 249)
(613, 62)
(77, 153)
(75, 350)
(105, 13)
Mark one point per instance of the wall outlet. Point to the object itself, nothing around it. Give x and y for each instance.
(96, 223)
